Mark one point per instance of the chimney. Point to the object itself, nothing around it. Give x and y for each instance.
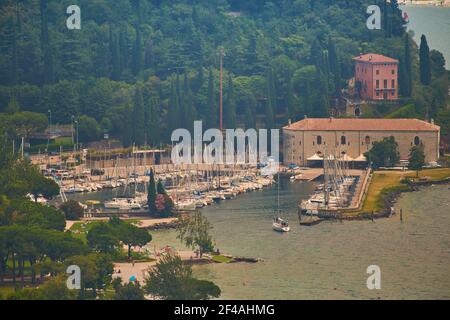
(289, 122)
(432, 121)
(306, 117)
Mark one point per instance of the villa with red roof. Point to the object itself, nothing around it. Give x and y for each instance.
(376, 77)
(308, 140)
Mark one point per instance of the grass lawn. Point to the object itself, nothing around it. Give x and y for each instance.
(221, 259)
(383, 180)
(5, 291)
(80, 229)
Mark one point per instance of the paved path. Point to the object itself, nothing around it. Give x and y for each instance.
(142, 223)
(138, 270)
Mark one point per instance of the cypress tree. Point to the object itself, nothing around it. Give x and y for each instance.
(189, 113)
(292, 111)
(405, 79)
(127, 130)
(212, 107)
(151, 195)
(123, 49)
(137, 53)
(14, 58)
(271, 91)
(230, 106)
(321, 102)
(425, 70)
(153, 122)
(173, 113)
(115, 57)
(148, 55)
(271, 100)
(199, 79)
(249, 118)
(307, 104)
(138, 119)
(335, 66)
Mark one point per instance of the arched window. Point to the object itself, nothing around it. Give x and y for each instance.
(319, 140)
(416, 141)
(367, 140)
(343, 140)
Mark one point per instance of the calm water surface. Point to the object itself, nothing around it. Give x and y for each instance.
(329, 261)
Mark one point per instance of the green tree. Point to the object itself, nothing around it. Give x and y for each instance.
(88, 129)
(138, 119)
(212, 106)
(72, 210)
(129, 234)
(151, 195)
(194, 232)
(425, 69)
(405, 76)
(384, 153)
(171, 279)
(129, 291)
(230, 106)
(137, 53)
(416, 158)
(101, 237)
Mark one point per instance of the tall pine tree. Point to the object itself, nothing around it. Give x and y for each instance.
(271, 100)
(212, 106)
(405, 78)
(137, 53)
(138, 118)
(230, 106)
(425, 70)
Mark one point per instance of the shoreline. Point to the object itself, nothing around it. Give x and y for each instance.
(390, 200)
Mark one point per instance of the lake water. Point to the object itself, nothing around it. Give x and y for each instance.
(434, 22)
(329, 261)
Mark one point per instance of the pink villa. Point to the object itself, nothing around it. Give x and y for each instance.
(376, 77)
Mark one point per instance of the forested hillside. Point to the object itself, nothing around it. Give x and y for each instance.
(140, 68)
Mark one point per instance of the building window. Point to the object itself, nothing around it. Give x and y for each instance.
(367, 140)
(393, 71)
(378, 84)
(385, 83)
(319, 140)
(378, 72)
(416, 141)
(393, 84)
(343, 140)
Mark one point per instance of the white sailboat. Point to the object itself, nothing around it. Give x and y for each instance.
(279, 224)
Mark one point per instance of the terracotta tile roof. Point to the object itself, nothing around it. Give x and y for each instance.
(375, 58)
(332, 124)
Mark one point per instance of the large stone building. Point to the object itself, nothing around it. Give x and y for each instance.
(308, 140)
(376, 77)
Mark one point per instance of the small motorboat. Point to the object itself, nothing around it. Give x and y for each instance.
(280, 225)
